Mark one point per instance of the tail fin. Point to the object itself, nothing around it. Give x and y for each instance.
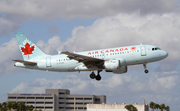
(28, 49)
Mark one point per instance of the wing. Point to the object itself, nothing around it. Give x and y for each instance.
(26, 62)
(88, 61)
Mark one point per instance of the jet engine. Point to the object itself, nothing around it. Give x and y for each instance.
(116, 66)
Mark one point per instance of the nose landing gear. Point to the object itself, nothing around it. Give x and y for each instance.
(146, 71)
(98, 77)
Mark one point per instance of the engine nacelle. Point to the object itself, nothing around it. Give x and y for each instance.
(123, 69)
(116, 66)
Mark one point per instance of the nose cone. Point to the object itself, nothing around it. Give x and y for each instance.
(165, 54)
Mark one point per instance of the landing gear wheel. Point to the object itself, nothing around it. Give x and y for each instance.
(146, 71)
(98, 77)
(92, 75)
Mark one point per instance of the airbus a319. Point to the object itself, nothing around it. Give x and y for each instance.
(115, 60)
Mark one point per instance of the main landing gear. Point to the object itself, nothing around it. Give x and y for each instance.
(97, 77)
(146, 71)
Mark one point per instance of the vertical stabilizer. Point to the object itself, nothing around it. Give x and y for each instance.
(28, 49)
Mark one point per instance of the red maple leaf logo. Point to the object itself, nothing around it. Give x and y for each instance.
(28, 49)
(133, 48)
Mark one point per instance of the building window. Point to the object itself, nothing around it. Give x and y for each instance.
(61, 107)
(61, 98)
(48, 107)
(39, 97)
(30, 97)
(79, 103)
(69, 98)
(87, 98)
(12, 97)
(97, 99)
(80, 107)
(48, 97)
(39, 102)
(48, 102)
(21, 97)
(39, 107)
(79, 98)
(69, 103)
(61, 103)
(61, 93)
(69, 107)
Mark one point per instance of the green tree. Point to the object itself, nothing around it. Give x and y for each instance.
(3, 109)
(130, 107)
(162, 107)
(156, 106)
(167, 108)
(0, 105)
(9, 106)
(30, 107)
(21, 106)
(27, 107)
(3, 106)
(39, 110)
(151, 104)
(14, 105)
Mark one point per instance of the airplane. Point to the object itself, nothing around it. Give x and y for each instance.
(114, 60)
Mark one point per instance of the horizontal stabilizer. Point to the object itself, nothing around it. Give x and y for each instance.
(26, 62)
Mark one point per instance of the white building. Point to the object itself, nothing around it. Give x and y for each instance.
(57, 100)
(115, 107)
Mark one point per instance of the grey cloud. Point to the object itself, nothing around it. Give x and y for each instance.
(88, 8)
(8, 53)
(17, 12)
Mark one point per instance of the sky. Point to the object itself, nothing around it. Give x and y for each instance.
(83, 25)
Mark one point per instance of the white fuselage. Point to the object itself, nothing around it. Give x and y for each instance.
(131, 55)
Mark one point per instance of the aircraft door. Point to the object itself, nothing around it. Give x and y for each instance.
(48, 62)
(103, 55)
(143, 50)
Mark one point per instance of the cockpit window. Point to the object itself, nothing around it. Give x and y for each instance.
(156, 48)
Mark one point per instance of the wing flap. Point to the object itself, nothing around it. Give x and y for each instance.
(26, 62)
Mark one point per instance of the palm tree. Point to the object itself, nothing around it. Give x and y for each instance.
(156, 106)
(0, 105)
(162, 107)
(9, 105)
(30, 107)
(152, 105)
(27, 107)
(3, 109)
(130, 107)
(14, 105)
(21, 106)
(4, 105)
(167, 108)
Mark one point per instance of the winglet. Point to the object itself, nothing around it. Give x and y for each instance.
(59, 52)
